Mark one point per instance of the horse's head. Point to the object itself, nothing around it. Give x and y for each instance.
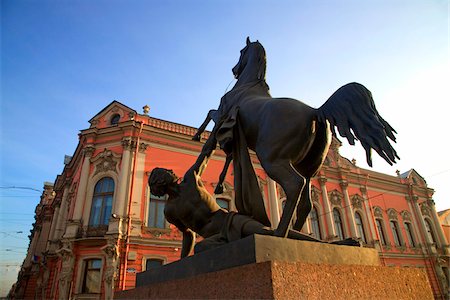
(252, 55)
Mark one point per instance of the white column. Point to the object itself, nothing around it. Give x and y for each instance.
(373, 234)
(60, 225)
(348, 209)
(273, 202)
(138, 186)
(56, 215)
(81, 192)
(76, 221)
(440, 233)
(421, 220)
(415, 221)
(327, 209)
(121, 199)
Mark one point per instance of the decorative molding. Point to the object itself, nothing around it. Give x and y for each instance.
(392, 214)
(128, 144)
(88, 151)
(378, 212)
(425, 209)
(343, 184)
(68, 261)
(335, 197)
(357, 201)
(143, 147)
(322, 180)
(106, 161)
(315, 192)
(406, 215)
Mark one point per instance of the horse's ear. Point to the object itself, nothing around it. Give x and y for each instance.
(248, 41)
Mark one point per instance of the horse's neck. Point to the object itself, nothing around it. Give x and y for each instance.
(258, 86)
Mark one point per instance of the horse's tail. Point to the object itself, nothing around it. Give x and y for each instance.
(352, 110)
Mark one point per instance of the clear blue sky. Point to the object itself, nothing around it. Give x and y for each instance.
(64, 61)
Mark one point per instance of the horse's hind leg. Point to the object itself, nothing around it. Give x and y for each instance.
(292, 183)
(304, 206)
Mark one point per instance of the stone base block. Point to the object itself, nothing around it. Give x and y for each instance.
(292, 280)
(266, 267)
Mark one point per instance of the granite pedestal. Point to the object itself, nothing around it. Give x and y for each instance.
(265, 267)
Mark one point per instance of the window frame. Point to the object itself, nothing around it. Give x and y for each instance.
(83, 276)
(410, 234)
(360, 227)
(382, 237)
(158, 201)
(105, 213)
(396, 233)
(429, 228)
(341, 224)
(315, 221)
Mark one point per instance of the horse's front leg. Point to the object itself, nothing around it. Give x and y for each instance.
(211, 116)
(219, 187)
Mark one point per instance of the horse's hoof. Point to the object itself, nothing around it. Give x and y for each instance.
(348, 242)
(280, 233)
(196, 138)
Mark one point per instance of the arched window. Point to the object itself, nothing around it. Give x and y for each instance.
(395, 232)
(381, 234)
(115, 119)
(315, 225)
(338, 224)
(156, 207)
(102, 202)
(430, 231)
(360, 227)
(409, 234)
(223, 203)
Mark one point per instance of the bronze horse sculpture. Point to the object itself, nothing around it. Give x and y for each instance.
(290, 138)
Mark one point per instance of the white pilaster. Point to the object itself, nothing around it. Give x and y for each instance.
(327, 207)
(348, 209)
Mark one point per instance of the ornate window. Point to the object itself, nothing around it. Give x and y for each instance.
(92, 276)
(409, 234)
(315, 224)
(338, 224)
(381, 234)
(360, 227)
(151, 263)
(430, 232)
(156, 207)
(102, 202)
(115, 119)
(395, 232)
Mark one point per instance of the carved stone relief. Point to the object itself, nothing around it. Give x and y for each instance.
(378, 212)
(357, 201)
(335, 197)
(315, 194)
(106, 161)
(392, 214)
